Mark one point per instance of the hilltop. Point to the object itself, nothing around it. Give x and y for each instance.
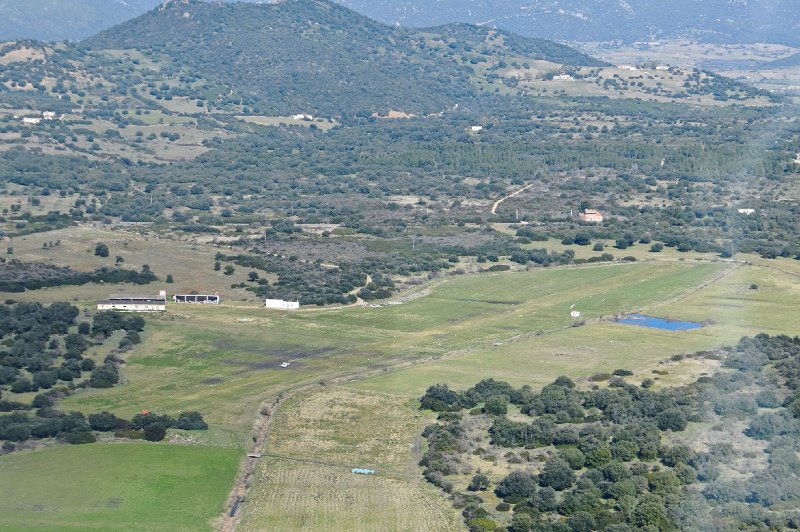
(318, 56)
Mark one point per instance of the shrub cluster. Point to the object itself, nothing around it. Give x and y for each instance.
(605, 464)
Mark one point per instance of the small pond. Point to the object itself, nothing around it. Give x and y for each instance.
(659, 323)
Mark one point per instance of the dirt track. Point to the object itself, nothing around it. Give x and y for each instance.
(248, 468)
(501, 200)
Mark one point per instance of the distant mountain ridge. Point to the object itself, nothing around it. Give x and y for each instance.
(775, 21)
(604, 20)
(304, 55)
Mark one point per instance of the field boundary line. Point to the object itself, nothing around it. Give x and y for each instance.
(247, 468)
(778, 270)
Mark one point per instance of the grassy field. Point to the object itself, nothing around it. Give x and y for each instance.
(657, 85)
(685, 53)
(350, 428)
(322, 123)
(297, 496)
(729, 305)
(305, 483)
(374, 362)
(191, 265)
(225, 361)
(119, 486)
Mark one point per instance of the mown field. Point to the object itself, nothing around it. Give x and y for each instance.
(305, 482)
(115, 486)
(356, 372)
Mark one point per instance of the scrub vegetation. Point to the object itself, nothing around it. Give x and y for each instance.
(424, 209)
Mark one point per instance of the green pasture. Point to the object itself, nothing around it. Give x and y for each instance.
(224, 361)
(115, 486)
(191, 265)
(729, 305)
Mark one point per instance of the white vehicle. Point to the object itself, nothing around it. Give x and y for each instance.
(286, 364)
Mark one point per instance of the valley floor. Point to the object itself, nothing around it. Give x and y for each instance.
(349, 398)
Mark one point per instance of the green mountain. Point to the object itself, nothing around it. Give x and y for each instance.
(316, 56)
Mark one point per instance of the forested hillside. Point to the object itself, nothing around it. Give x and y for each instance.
(337, 61)
(305, 113)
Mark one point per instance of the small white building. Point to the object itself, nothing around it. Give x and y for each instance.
(31, 120)
(49, 115)
(662, 67)
(563, 77)
(206, 299)
(302, 116)
(746, 212)
(476, 128)
(135, 303)
(280, 304)
(627, 67)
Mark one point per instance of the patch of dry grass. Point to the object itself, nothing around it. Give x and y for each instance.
(305, 482)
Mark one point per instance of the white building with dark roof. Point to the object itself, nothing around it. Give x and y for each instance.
(205, 299)
(126, 303)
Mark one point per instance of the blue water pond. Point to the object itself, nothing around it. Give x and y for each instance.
(659, 323)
